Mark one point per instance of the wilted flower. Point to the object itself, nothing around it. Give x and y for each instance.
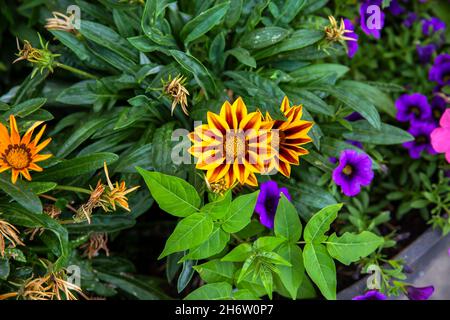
(85, 210)
(336, 33)
(61, 22)
(421, 132)
(176, 90)
(41, 58)
(10, 233)
(53, 212)
(287, 138)
(440, 137)
(371, 30)
(430, 26)
(219, 187)
(371, 295)
(412, 107)
(440, 71)
(416, 293)
(425, 52)
(21, 154)
(97, 241)
(267, 203)
(354, 170)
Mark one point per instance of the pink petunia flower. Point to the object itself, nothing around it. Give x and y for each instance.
(440, 137)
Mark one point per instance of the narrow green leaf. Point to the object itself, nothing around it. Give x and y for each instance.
(386, 135)
(20, 192)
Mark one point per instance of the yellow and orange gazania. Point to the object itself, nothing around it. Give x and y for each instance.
(21, 154)
(233, 146)
(287, 141)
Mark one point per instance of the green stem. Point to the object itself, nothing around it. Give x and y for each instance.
(74, 189)
(74, 70)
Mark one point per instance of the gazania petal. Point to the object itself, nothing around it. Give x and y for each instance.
(14, 176)
(226, 112)
(41, 157)
(217, 122)
(240, 109)
(42, 145)
(26, 174)
(15, 137)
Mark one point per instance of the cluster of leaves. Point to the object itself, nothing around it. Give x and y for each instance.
(106, 105)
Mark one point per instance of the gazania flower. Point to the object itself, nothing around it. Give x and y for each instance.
(335, 32)
(354, 170)
(232, 146)
(60, 22)
(176, 90)
(267, 203)
(9, 232)
(287, 137)
(21, 154)
(371, 295)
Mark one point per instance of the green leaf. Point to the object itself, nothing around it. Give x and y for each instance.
(219, 208)
(320, 223)
(239, 254)
(20, 192)
(211, 291)
(189, 232)
(243, 56)
(26, 108)
(316, 72)
(386, 135)
(291, 277)
(321, 268)
(287, 221)
(263, 37)
(216, 271)
(265, 274)
(4, 268)
(173, 195)
(186, 274)
(103, 223)
(352, 247)
(268, 243)
(216, 242)
(204, 22)
(240, 212)
(78, 166)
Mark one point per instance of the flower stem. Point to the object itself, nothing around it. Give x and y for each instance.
(74, 70)
(74, 189)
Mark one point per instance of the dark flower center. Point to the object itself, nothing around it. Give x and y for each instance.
(271, 204)
(348, 170)
(422, 139)
(415, 110)
(437, 113)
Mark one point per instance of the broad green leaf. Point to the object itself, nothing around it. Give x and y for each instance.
(173, 195)
(263, 37)
(291, 277)
(211, 291)
(189, 233)
(77, 166)
(219, 208)
(240, 212)
(316, 72)
(244, 294)
(216, 271)
(320, 223)
(243, 56)
(216, 242)
(20, 192)
(321, 268)
(386, 135)
(290, 10)
(265, 274)
(309, 100)
(239, 254)
(352, 247)
(204, 22)
(287, 221)
(268, 243)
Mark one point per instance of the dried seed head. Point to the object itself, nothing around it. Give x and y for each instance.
(61, 22)
(336, 33)
(10, 233)
(176, 90)
(97, 241)
(85, 210)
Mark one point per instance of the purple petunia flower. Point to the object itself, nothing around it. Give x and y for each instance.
(410, 19)
(371, 22)
(422, 142)
(354, 116)
(371, 295)
(267, 203)
(395, 8)
(357, 144)
(440, 71)
(438, 106)
(425, 52)
(354, 170)
(412, 107)
(415, 293)
(432, 25)
(352, 46)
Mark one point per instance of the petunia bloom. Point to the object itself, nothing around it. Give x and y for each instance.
(438, 106)
(440, 71)
(416, 293)
(366, 19)
(425, 52)
(430, 26)
(352, 46)
(410, 19)
(371, 295)
(267, 203)
(421, 132)
(21, 154)
(412, 107)
(395, 8)
(354, 170)
(440, 137)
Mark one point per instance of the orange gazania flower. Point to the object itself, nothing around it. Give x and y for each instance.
(21, 154)
(291, 134)
(233, 146)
